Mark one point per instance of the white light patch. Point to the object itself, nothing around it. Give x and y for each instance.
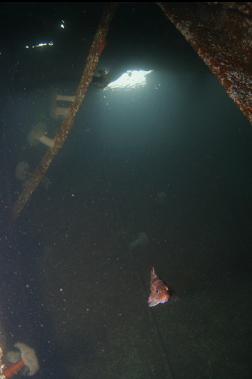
(130, 79)
(62, 24)
(42, 44)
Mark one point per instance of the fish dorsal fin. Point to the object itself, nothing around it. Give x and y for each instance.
(153, 273)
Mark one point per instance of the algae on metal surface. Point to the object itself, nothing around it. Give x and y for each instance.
(95, 52)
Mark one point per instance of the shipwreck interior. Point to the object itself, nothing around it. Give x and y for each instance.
(126, 146)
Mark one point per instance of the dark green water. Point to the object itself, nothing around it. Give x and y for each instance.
(71, 288)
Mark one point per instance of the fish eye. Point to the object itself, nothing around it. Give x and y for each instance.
(157, 290)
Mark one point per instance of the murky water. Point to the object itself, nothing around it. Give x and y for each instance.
(168, 159)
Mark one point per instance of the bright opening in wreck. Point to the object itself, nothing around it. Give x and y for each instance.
(131, 79)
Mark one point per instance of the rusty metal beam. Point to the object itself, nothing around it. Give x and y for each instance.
(94, 55)
(221, 34)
